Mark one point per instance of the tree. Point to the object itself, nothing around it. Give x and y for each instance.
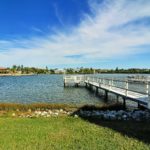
(14, 68)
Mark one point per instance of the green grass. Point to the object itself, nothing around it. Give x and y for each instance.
(61, 133)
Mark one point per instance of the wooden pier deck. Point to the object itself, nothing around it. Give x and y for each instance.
(128, 90)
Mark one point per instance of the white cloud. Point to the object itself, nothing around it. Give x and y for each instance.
(94, 37)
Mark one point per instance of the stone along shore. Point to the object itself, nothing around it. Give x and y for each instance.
(135, 115)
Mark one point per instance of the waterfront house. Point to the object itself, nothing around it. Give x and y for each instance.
(3, 70)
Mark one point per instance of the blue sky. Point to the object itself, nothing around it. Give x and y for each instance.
(75, 33)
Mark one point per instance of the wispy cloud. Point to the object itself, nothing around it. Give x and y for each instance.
(114, 28)
(58, 14)
(35, 29)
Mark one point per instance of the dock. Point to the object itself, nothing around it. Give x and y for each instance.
(135, 91)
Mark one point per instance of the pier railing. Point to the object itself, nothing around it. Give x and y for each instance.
(136, 90)
(141, 87)
(75, 79)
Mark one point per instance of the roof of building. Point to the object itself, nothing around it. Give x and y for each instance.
(2, 68)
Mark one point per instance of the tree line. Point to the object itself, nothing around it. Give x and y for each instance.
(33, 70)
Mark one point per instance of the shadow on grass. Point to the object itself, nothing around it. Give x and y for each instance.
(132, 129)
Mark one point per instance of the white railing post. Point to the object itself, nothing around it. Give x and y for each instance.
(75, 79)
(147, 88)
(110, 82)
(99, 82)
(147, 92)
(126, 88)
(64, 81)
(148, 102)
(84, 78)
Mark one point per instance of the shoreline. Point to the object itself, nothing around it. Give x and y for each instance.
(14, 75)
(43, 106)
(112, 112)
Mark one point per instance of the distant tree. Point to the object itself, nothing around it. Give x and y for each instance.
(14, 68)
(117, 69)
(52, 71)
(69, 71)
(47, 71)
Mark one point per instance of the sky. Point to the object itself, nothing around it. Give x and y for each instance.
(75, 33)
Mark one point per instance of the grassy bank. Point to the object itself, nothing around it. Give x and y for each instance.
(65, 132)
(69, 133)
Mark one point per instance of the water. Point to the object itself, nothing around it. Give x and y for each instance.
(43, 88)
(46, 89)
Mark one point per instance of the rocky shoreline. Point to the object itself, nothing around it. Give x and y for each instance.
(135, 115)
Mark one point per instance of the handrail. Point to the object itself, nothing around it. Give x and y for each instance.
(110, 82)
(125, 89)
(123, 81)
(119, 80)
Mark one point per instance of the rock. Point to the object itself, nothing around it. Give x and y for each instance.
(68, 113)
(105, 116)
(112, 116)
(50, 112)
(38, 112)
(120, 112)
(137, 115)
(64, 112)
(61, 110)
(97, 113)
(124, 117)
(81, 112)
(13, 114)
(76, 116)
(56, 113)
(44, 113)
(48, 115)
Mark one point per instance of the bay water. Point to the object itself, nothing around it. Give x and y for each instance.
(47, 89)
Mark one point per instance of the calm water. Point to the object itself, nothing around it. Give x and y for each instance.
(46, 88)
(42, 88)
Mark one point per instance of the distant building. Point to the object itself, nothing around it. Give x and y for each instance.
(3, 70)
(60, 71)
(77, 70)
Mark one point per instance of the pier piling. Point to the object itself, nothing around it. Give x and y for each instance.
(124, 102)
(96, 90)
(106, 95)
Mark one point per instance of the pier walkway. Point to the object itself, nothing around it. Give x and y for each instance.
(136, 91)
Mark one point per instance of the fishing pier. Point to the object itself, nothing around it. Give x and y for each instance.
(129, 90)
